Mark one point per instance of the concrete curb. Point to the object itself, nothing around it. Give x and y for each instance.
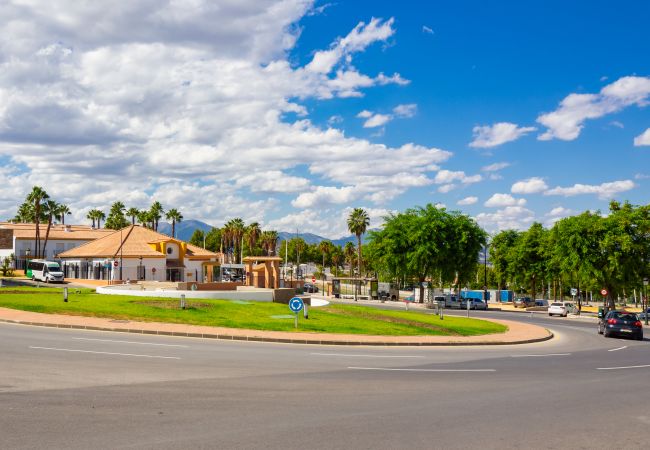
(281, 340)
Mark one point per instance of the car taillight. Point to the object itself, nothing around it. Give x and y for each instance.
(637, 323)
(611, 321)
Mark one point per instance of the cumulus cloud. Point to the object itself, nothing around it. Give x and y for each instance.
(495, 167)
(467, 201)
(567, 121)
(493, 135)
(377, 120)
(604, 191)
(510, 217)
(374, 120)
(202, 118)
(448, 176)
(501, 200)
(532, 185)
(406, 111)
(427, 30)
(642, 139)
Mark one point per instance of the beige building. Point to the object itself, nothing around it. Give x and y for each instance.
(138, 253)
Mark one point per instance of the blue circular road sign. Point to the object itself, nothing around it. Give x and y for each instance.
(296, 304)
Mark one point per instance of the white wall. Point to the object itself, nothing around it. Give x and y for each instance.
(171, 250)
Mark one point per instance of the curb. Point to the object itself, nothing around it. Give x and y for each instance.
(279, 340)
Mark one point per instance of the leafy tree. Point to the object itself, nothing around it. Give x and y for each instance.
(358, 222)
(133, 213)
(501, 247)
(116, 219)
(269, 240)
(197, 238)
(155, 214)
(176, 217)
(36, 198)
(349, 252)
(252, 235)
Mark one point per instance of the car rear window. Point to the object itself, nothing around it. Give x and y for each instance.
(624, 316)
(557, 304)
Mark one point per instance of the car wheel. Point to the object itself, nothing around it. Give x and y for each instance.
(566, 314)
(605, 333)
(550, 315)
(599, 331)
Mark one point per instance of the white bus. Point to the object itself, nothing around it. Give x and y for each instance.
(41, 270)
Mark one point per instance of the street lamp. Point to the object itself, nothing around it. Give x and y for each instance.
(28, 252)
(485, 285)
(140, 277)
(645, 294)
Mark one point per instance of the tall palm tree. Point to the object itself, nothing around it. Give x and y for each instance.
(25, 213)
(252, 234)
(176, 217)
(269, 240)
(337, 257)
(50, 208)
(133, 214)
(99, 215)
(235, 229)
(144, 218)
(300, 245)
(36, 197)
(325, 248)
(156, 211)
(358, 222)
(62, 212)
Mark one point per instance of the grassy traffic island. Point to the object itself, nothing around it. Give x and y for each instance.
(347, 319)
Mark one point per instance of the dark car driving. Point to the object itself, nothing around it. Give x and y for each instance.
(310, 287)
(621, 323)
(524, 302)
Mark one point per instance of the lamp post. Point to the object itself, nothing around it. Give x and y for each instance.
(485, 285)
(140, 277)
(28, 253)
(645, 294)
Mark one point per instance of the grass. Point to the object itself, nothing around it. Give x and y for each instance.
(252, 315)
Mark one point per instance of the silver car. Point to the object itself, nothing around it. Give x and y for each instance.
(561, 309)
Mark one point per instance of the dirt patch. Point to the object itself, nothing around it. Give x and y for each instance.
(174, 304)
(395, 320)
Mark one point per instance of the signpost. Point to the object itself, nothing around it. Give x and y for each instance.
(645, 304)
(574, 292)
(295, 305)
(313, 279)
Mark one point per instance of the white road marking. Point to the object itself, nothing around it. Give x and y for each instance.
(533, 356)
(623, 367)
(619, 348)
(350, 355)
(420, 370)
(102, 353)
(130, 342)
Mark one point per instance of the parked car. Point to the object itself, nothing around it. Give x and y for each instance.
(621, 323)
(561, 309)
(310, 288)
(541, 302)
(524, 302)
(475, 303)
(642, 314)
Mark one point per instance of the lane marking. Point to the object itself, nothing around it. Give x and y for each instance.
(101, 353)
(366, 356)
(622, 367)
(130, 342)
(534, 356)
(420, 370)
(619, 348)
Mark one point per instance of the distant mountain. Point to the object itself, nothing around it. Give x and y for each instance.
(185, 229)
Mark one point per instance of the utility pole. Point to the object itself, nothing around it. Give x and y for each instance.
(645, 303)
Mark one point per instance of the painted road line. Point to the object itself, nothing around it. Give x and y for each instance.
(536, 356)
(622, 367)
(101, 353)
(129, 342)
(619, 348)
(389, 369)
(350, 355)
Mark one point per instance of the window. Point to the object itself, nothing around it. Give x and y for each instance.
(169, 250)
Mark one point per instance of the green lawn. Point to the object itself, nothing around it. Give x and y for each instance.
(252, 315)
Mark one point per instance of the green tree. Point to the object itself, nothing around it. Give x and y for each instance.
(252, 235)
(155, 214)
(116, 219)
(133, 213)
(50, 209)
(176, 217)
(62, 212)
(197, 238)
(36, 198)
(349, 252)
(269, 240)
(502, 246)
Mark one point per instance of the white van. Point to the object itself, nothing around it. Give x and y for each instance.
(48, 271)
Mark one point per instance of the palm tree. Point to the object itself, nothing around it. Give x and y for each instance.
(133, 214)
(337, 257)
(35, 197)
(350, 252)
(176, 217)
(144, 218)
(325, 247)
(252, 234)
(156, 211)
(25, 213)
(235, 231)
(61, 213)
(358, 222)
(50, 208)
(269, 240)
(99, 215)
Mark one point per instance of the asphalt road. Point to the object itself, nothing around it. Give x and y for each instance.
(78, 389)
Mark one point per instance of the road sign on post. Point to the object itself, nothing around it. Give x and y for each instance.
(574, 291)
(603, 292)
(313, 279)
(115, 263)
(295, 305)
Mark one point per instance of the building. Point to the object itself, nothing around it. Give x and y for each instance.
(138, 253)
(17, 238)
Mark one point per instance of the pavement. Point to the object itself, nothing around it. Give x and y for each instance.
(518, 333)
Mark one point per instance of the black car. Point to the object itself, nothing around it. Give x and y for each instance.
(621, 323)
(310, 287)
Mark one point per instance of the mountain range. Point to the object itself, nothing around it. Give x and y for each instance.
(186, 228)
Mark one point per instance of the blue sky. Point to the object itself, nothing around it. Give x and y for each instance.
(282, 114)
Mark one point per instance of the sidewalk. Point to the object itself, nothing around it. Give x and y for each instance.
(518, 333)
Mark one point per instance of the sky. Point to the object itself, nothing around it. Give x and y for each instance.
(293, 112)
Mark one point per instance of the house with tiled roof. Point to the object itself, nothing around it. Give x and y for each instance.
(138, 253)
(18, 238)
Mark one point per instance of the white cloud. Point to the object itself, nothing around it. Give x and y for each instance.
(468, 201)
(604, 191)
(427, 30)
(326, 195)
(501, 200)
(448, 176)
(642, 139)
(510, 217)
(495, 167)
(377, 120)
(532, 185)
(365, 114)
(567, 121)
(491, 136)
(406, 111)
(641, 176)
(617, 124)
(447, 188)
